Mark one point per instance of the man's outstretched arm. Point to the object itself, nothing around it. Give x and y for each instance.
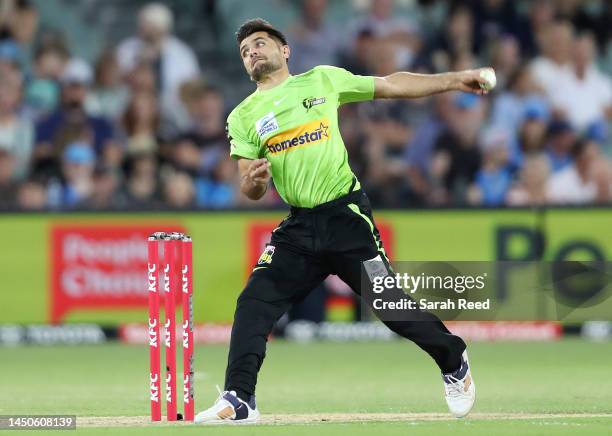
(254, 177)
(412, 85)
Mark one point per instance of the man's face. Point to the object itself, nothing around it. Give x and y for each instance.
(262, 55)
(74, 94)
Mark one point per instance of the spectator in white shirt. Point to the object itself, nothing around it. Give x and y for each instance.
(585, 95)
(555, 44)
(583, 181)
(173, 61)
(400, 31)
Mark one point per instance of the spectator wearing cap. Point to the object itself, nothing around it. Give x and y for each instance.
(16, 129)
(532, 130)
(560, 139)
(172, 60)
(520, 101)
(313, 41)
(494, 178)
(71, 123)
(585, 95)
(78, 164)
(581, 181)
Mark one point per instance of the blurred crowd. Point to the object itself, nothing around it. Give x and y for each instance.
(142, 127)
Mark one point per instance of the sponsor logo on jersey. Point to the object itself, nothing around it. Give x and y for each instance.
(306, 134)
(266, 256)
(266, 124)
(312, 101)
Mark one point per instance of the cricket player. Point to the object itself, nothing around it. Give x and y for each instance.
(287, 131)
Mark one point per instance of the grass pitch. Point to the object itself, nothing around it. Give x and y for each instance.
(327, 388)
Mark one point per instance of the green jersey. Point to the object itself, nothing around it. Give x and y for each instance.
(295, 127)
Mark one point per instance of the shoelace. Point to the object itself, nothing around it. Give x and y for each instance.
(455, 388)
(221, 393)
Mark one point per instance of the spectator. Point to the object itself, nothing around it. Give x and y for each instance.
(387, 129)
(19, 25)
(77, 170)
(505, 58)
(16, 130)
(456, 39)
(513, 106)
(141, 187)
(71, 123)
(356, 57)
(554, 63)
(179, 190)
(218, 190)
(32, 195)
(576, 184)
(396, 30)
(8, 185)
(532, 132)
(540, 14)
(587, 93)
(105, 190)
(172, 60)
(313, 41)
(206, 108)
(140, 123)
(420, 149)
(494, 178)
(530, 189)
(561, 138)
(42, 92)
(457, 158)
(109, 96)
(492, 20)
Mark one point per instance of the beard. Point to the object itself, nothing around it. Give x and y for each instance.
(263, 68)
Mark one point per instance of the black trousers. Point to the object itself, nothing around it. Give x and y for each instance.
(308, 245)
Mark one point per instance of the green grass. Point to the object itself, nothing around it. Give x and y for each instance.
(569, 376)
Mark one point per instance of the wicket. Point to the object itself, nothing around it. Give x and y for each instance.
(177, 274)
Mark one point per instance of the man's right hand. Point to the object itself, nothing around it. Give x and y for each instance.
(254, 177)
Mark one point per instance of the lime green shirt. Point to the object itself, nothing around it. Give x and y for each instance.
(295, 127)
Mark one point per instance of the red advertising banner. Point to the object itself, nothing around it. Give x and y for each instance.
(99, 267)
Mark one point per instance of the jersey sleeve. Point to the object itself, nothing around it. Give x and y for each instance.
(240, 146)
(350, 87)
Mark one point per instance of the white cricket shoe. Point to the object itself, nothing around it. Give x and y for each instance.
(229, 409)
(459, 389)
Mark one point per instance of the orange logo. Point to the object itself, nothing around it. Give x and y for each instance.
(306, 134)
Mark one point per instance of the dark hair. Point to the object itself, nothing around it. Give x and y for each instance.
(259, 25)
(579, 147)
